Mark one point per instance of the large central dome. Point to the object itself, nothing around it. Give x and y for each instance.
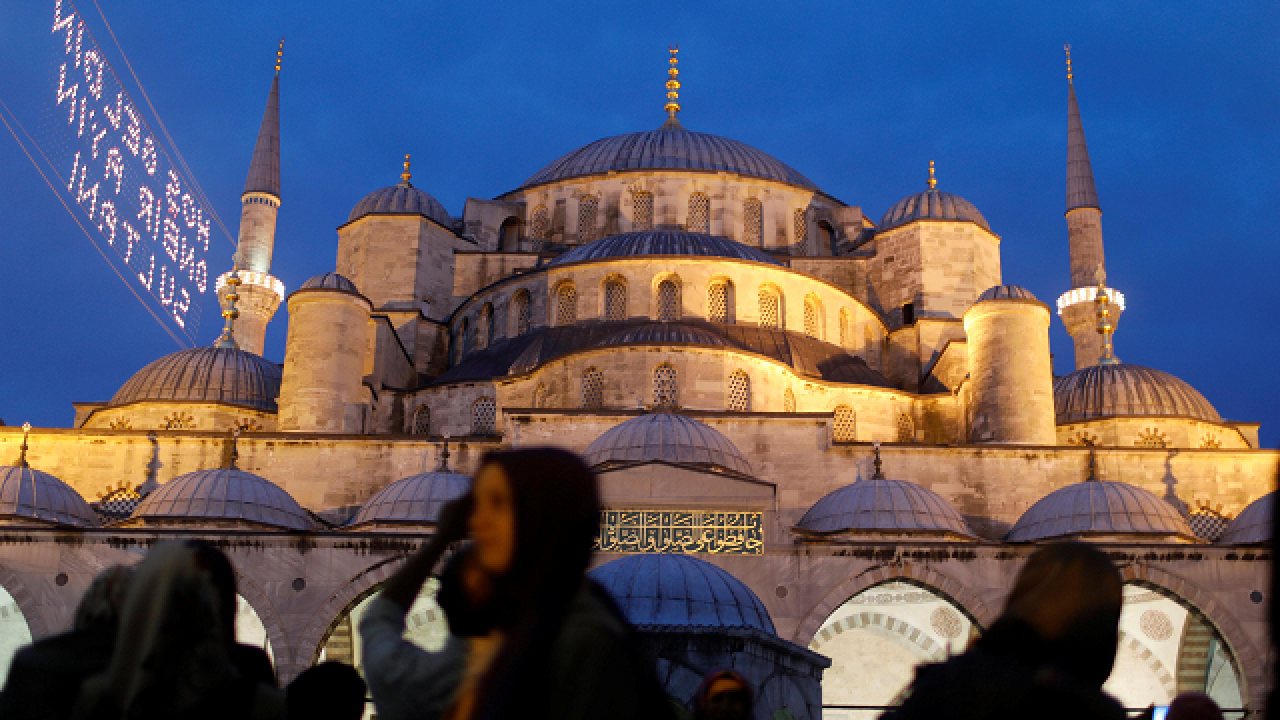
(670, 147)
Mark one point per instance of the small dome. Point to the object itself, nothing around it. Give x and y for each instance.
(682, 590)
(1097, 507)
(670, 147)
(414, 500)
(879, 506)
(1253, 525)
(332, 281)
(1107, 390)
(665, 333)
(205, 374)
(1005, 292)
(28, 494)
(663, 242)
(665, 437)
(932, 205)
(222, 494)
(401, 199)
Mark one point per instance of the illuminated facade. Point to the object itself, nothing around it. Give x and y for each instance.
(854, 421)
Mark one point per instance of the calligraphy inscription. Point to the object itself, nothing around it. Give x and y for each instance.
(680, 531)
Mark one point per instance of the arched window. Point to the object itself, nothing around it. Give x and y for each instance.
(699, 220)
(520, 313)
(906, 428)
(588, 205)
(540, 224)
(812, 318)
(738, 399)
(484, 417)
(788, 401)
(844, 327)
(642, 210)
(421, 421)
(666, 389)
(484, 334)
(719, 302)
(845, 425)
(592, 388)
(509, 234)
(461, 341)
(615, 299)
(540, 396)
(827, 239)
(770, 310)
(800, 227)
(752, 221)
(566, 304)
(668, 306)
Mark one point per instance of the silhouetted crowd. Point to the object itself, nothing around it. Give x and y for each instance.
(531, 636)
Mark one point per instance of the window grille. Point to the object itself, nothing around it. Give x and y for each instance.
(769, 315)
(421, 421)
(1151, 438)
(718, 302)
(484, 417)
(1208, 524)
(906, 428)
(846, 424)
(566, 304)
(117, 505)
(844, 328)
(812, 326)
(592, 388)
(540, 226)
(788, 401)
(642, 211)
(752, 221)
(615, 300)
(522, 314)
(699, 214)
(540, 396)
(668, 300)
(486, 327)
(739, 399)
(587, 208)
(665, 385)
(800, 225)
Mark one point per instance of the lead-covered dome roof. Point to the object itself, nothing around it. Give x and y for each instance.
(28, 494)
(205, 374)
(932, 204)
(401, 199)
(1108, 390)
(222, 495)
(665, 333)
(670, 147)
(1097, 507)
(330, 281)
(880, 506)
(663, 242)
(665, 437)
(1005, 292)
(664, 589)
(1253, 525)
(414, 500)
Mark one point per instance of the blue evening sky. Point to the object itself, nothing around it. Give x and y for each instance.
(1180, 103)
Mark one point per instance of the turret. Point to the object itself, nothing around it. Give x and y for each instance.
(260, 293)
(324, 358)
(1011, 390)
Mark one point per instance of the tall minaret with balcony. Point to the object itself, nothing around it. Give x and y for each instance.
(260, 293)
(1084, 232)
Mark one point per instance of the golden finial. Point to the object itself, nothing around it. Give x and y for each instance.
(933, 181)
(1068, 49)
(1102, 300)
(279, 54)
(673, 85)
(228, 340)
(404, 176)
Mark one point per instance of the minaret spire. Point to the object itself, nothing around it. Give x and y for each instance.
(1080, 188)
(264, 168)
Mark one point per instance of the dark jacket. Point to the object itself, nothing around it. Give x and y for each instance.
(45, 677)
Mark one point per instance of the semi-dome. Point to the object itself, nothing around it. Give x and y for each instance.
(1005, 292)
(932, 204)
(1108, 390)
(665, 437)
(205, 374)
(665, 333)
(28, 494)
(222, 495)
(414, 500)
(330, 281)
(664, 242)
(1097, 507)
(665, 589)
(1253, 525)
(401, 199)
(880, 506)
(670, 147)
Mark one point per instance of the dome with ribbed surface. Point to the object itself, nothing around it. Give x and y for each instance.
(1097, 507)
(665, 437)
(1108, 390)
(222, 495)
(28, 494)
(205, 374)
(665, 333)
(663, 589)
(401, 199)
(663, 242)
(331, 281)
(1253, 525)
(1005, 292)
(670, 147)
(414, 500)
(883, 507)
(932, 205)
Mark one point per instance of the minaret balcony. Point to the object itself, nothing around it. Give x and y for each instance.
(1081, 295)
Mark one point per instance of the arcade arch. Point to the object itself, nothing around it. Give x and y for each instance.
(14, 631)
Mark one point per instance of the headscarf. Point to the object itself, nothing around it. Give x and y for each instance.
(1194, 706)
(100, 606)
(713, 683)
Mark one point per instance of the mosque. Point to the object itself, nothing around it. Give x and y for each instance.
(826, 442)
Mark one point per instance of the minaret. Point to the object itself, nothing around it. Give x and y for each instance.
(260, 293)
(1084, 233)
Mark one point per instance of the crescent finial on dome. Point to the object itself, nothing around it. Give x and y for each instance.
(673, 86)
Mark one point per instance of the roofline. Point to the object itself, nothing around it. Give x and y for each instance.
(504, 197)
(424, 216)
(1121, 416)
(989, 231)
(243, 406)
